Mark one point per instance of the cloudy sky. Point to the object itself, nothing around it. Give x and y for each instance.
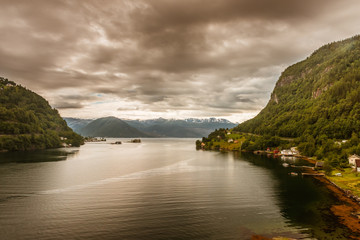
(143, 59)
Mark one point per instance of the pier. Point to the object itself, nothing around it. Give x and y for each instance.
(313, 174)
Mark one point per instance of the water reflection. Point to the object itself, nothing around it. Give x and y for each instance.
(303, 201)
(49, 155)
(159, 189)
(290, 159)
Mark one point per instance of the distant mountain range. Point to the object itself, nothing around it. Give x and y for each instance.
(115, 127)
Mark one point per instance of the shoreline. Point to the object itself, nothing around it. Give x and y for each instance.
(348, 208)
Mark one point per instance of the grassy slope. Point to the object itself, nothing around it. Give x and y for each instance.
(349, 180)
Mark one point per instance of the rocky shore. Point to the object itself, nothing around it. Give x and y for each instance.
(348, 209)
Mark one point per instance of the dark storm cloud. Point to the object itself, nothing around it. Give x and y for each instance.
(128, 108)
(73, 101)
(220, 57)
(67, 104)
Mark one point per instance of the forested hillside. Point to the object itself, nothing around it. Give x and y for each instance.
(320, 95)
(27, 121)
(315, 105)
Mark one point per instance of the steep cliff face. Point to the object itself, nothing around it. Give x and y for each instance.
(320, 95)
(27, 121)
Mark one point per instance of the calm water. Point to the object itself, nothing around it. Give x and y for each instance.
(159, 189)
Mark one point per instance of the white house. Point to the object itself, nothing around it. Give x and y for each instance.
(295, 151)
(352, 159)
(287, 152)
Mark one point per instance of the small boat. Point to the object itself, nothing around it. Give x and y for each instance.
(285, 165)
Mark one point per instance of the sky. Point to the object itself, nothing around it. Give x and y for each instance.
(143, 59)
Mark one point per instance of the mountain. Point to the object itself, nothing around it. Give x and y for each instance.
(190, 128)
(27, 121)
(160, 127)
(317, 97)
(110, 127)
(315, 106)
(77, 124)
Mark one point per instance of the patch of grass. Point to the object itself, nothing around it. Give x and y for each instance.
(225, 145)
(349, 180)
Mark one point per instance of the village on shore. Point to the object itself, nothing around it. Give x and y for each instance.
(102, 139)
(347, 179)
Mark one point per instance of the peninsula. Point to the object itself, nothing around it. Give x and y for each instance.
(28, 122)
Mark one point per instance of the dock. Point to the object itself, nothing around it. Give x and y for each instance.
(303, 167)
(313, 174)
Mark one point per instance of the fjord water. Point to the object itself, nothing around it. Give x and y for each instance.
(158, 189)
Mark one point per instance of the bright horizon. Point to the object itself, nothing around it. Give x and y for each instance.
(170, 59)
